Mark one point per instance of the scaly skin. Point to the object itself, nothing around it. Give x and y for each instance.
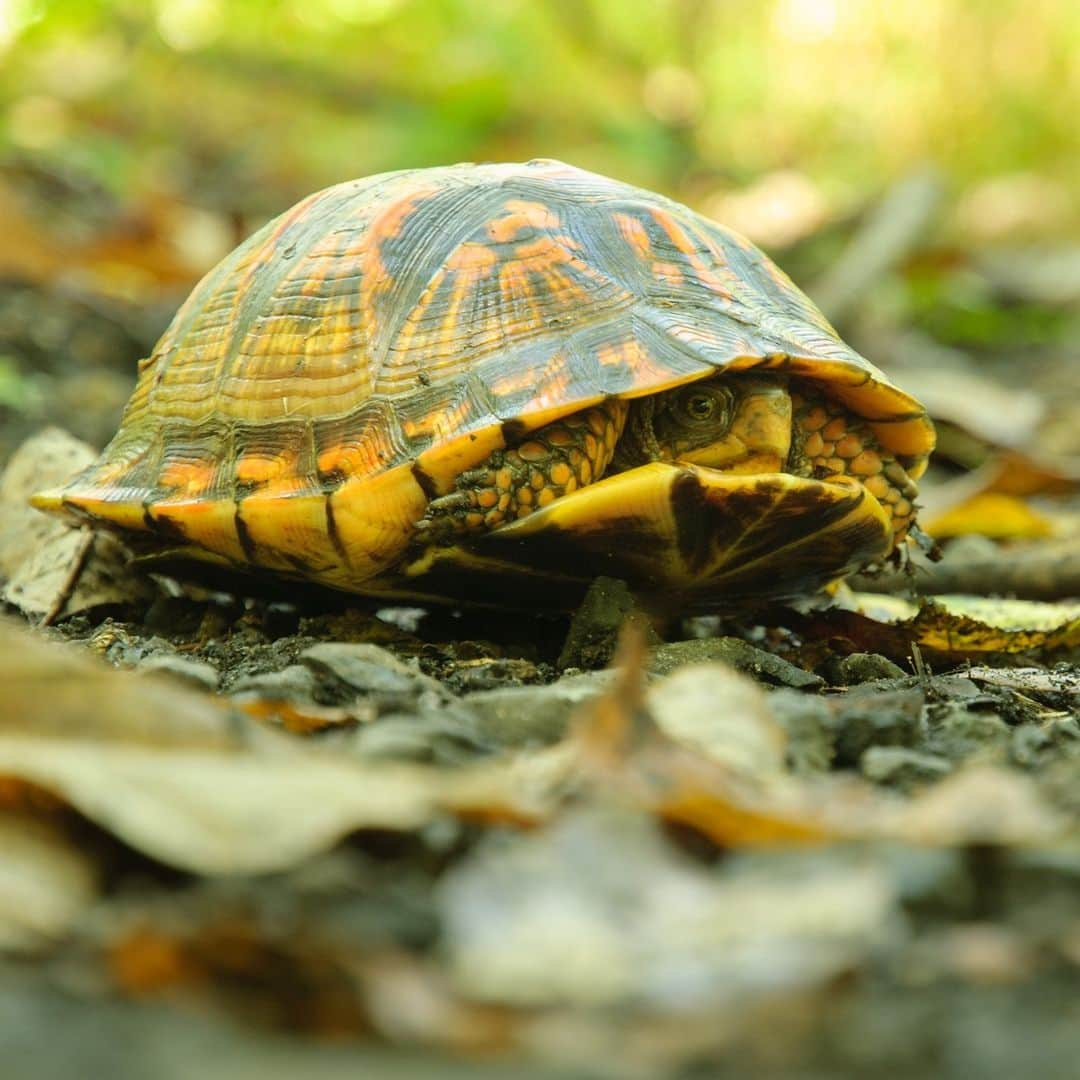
(829, 441)
(552, 461)
(769, 429)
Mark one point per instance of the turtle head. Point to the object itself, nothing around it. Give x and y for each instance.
(731, 423)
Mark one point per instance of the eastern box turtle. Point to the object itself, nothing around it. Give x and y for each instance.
(491, 383)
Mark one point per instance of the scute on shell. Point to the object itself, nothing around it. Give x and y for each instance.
(385, 334)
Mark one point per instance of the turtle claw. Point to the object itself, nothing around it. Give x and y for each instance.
(446, 516)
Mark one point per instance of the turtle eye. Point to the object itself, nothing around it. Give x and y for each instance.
(700, 407)
(705, 406)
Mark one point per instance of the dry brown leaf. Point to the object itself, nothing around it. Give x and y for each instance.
(181, 776)
(736, 792)
(982, 804)
(1000, 517)
(599, 910)
(46, 883)
(52, 568)
(999, 415)
(301, 718)
(953, 627)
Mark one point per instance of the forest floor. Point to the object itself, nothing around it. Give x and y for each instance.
(255, 831)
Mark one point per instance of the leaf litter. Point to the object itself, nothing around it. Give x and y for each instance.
(712, 846)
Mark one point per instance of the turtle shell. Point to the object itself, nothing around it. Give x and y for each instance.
(349, 360)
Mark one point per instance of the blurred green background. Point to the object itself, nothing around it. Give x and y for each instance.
(914, 165)
(774, 115)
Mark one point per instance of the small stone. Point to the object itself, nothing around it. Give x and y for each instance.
(806, 719)
(736, 653)
(516, 716)
(594, 630)
(1033, 745)
(193, 672)
(369, 669)
(899, 767)
(869, 716)
(441, 736)
(492, 673)
(294, 683)
(863, 667)
(957, 731)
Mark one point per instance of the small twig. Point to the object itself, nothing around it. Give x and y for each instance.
(921, 669)
(71, 579)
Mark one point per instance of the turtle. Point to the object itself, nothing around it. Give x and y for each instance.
(491, 383)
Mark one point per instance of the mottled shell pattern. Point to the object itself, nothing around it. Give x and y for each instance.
(350, 359)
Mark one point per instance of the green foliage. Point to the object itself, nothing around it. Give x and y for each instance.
(246, 103)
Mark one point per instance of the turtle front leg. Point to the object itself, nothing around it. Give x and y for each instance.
(830, 441)
(513, 482)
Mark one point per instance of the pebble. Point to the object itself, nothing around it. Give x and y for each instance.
(596, 625)
(194, 672)
(515, 716)
(371, 671)
(901, 767)
(863, 667)
(870, 716)
(293, 683)
(807, 720)
(735, 652)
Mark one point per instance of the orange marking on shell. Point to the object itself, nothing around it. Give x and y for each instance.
(550, 260)
(470, 264)
(626, 354)
(243, 278)
(389, 223)
(545, 251)
(187, 477)
(521, 215)
(667, 272)
(350, 459)
(445, 461)
(374, 516)
(678, 236)
(263, 468)
(516, 288)
(635, 234)
(375, 277)
(473, 259)
(125, 514)
(107, 473)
